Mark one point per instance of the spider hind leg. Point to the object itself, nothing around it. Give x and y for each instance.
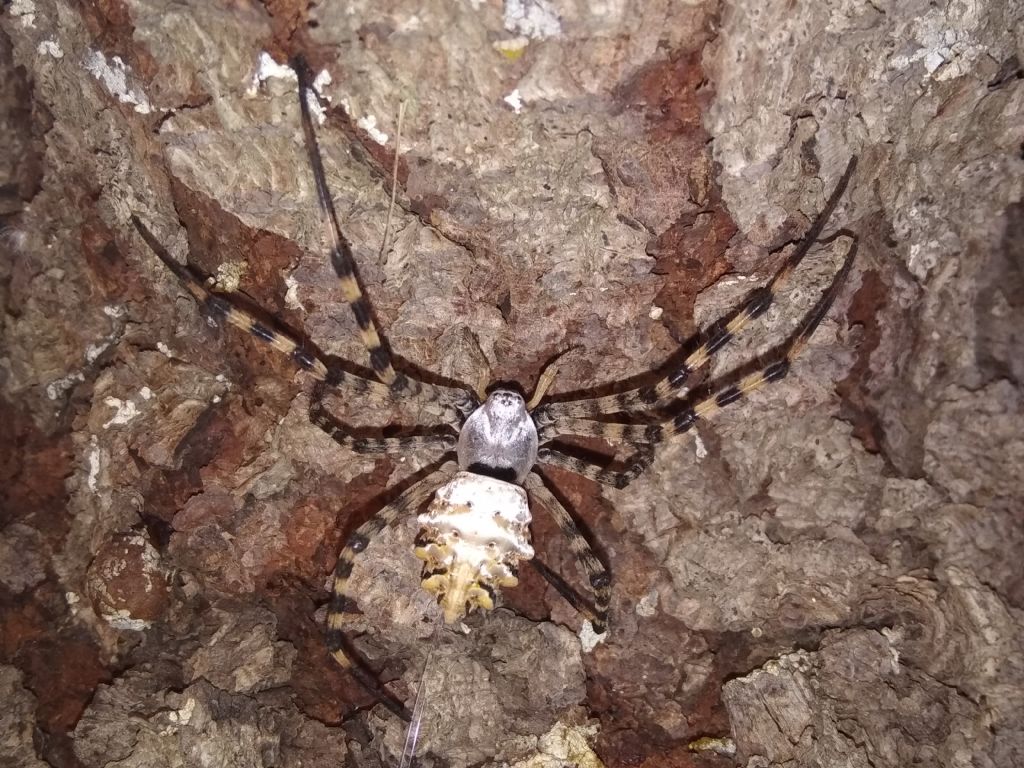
(596, 572)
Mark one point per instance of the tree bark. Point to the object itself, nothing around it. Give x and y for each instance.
(826, 574)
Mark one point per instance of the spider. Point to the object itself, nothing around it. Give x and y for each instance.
(475, 532)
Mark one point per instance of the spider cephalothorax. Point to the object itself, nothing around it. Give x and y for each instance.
(499, 438)
(475, 531)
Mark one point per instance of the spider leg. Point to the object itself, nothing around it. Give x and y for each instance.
(776, 370)
(720, 334)
(583, 606)
(617, 478)
(609, 431)
(547, 378)
(414, 496)
(344, 264)
(394, 446)
(221, 307)
(599, 577)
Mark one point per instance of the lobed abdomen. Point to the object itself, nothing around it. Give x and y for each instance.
(472, 538)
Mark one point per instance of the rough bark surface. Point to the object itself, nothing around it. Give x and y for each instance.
(828, 574)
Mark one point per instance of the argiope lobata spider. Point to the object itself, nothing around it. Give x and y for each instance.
(475, 532)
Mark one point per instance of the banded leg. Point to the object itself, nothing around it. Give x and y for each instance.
(707, 408)
(598, 576)
(721, 333)
(222, 308)
(617, 478)
(392, 446)
(414, 496)
(344, 265)
(609, 431)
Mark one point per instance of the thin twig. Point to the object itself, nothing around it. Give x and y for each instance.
(394, 179)
(412, 734)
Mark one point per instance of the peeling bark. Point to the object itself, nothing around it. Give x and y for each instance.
(827, 574)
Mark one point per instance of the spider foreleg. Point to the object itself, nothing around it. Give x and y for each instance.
(780, 362)
(719, 335)
(775, 370)
(413, 497)
(223, 309)
(342, 260)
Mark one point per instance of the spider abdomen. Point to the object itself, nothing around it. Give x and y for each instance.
(472, 537)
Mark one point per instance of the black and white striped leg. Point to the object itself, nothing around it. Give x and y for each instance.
(221, 308)
(409, 500)
(597, 574)
(402, 445)
(720, 333)
(705, 409)
(462, 401)
(609, 431)
(616, 478)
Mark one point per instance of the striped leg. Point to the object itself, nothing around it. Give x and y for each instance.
(707, 408)
(617, 478)
(720, 334)
(410, 499)
(609, 431)
(344, 264)
(392, 446)
(599, 577)
(220, 307)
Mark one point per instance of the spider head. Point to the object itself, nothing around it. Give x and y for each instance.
(473, 535)
(505, 401)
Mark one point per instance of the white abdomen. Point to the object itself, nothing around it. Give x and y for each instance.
(472, 536)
